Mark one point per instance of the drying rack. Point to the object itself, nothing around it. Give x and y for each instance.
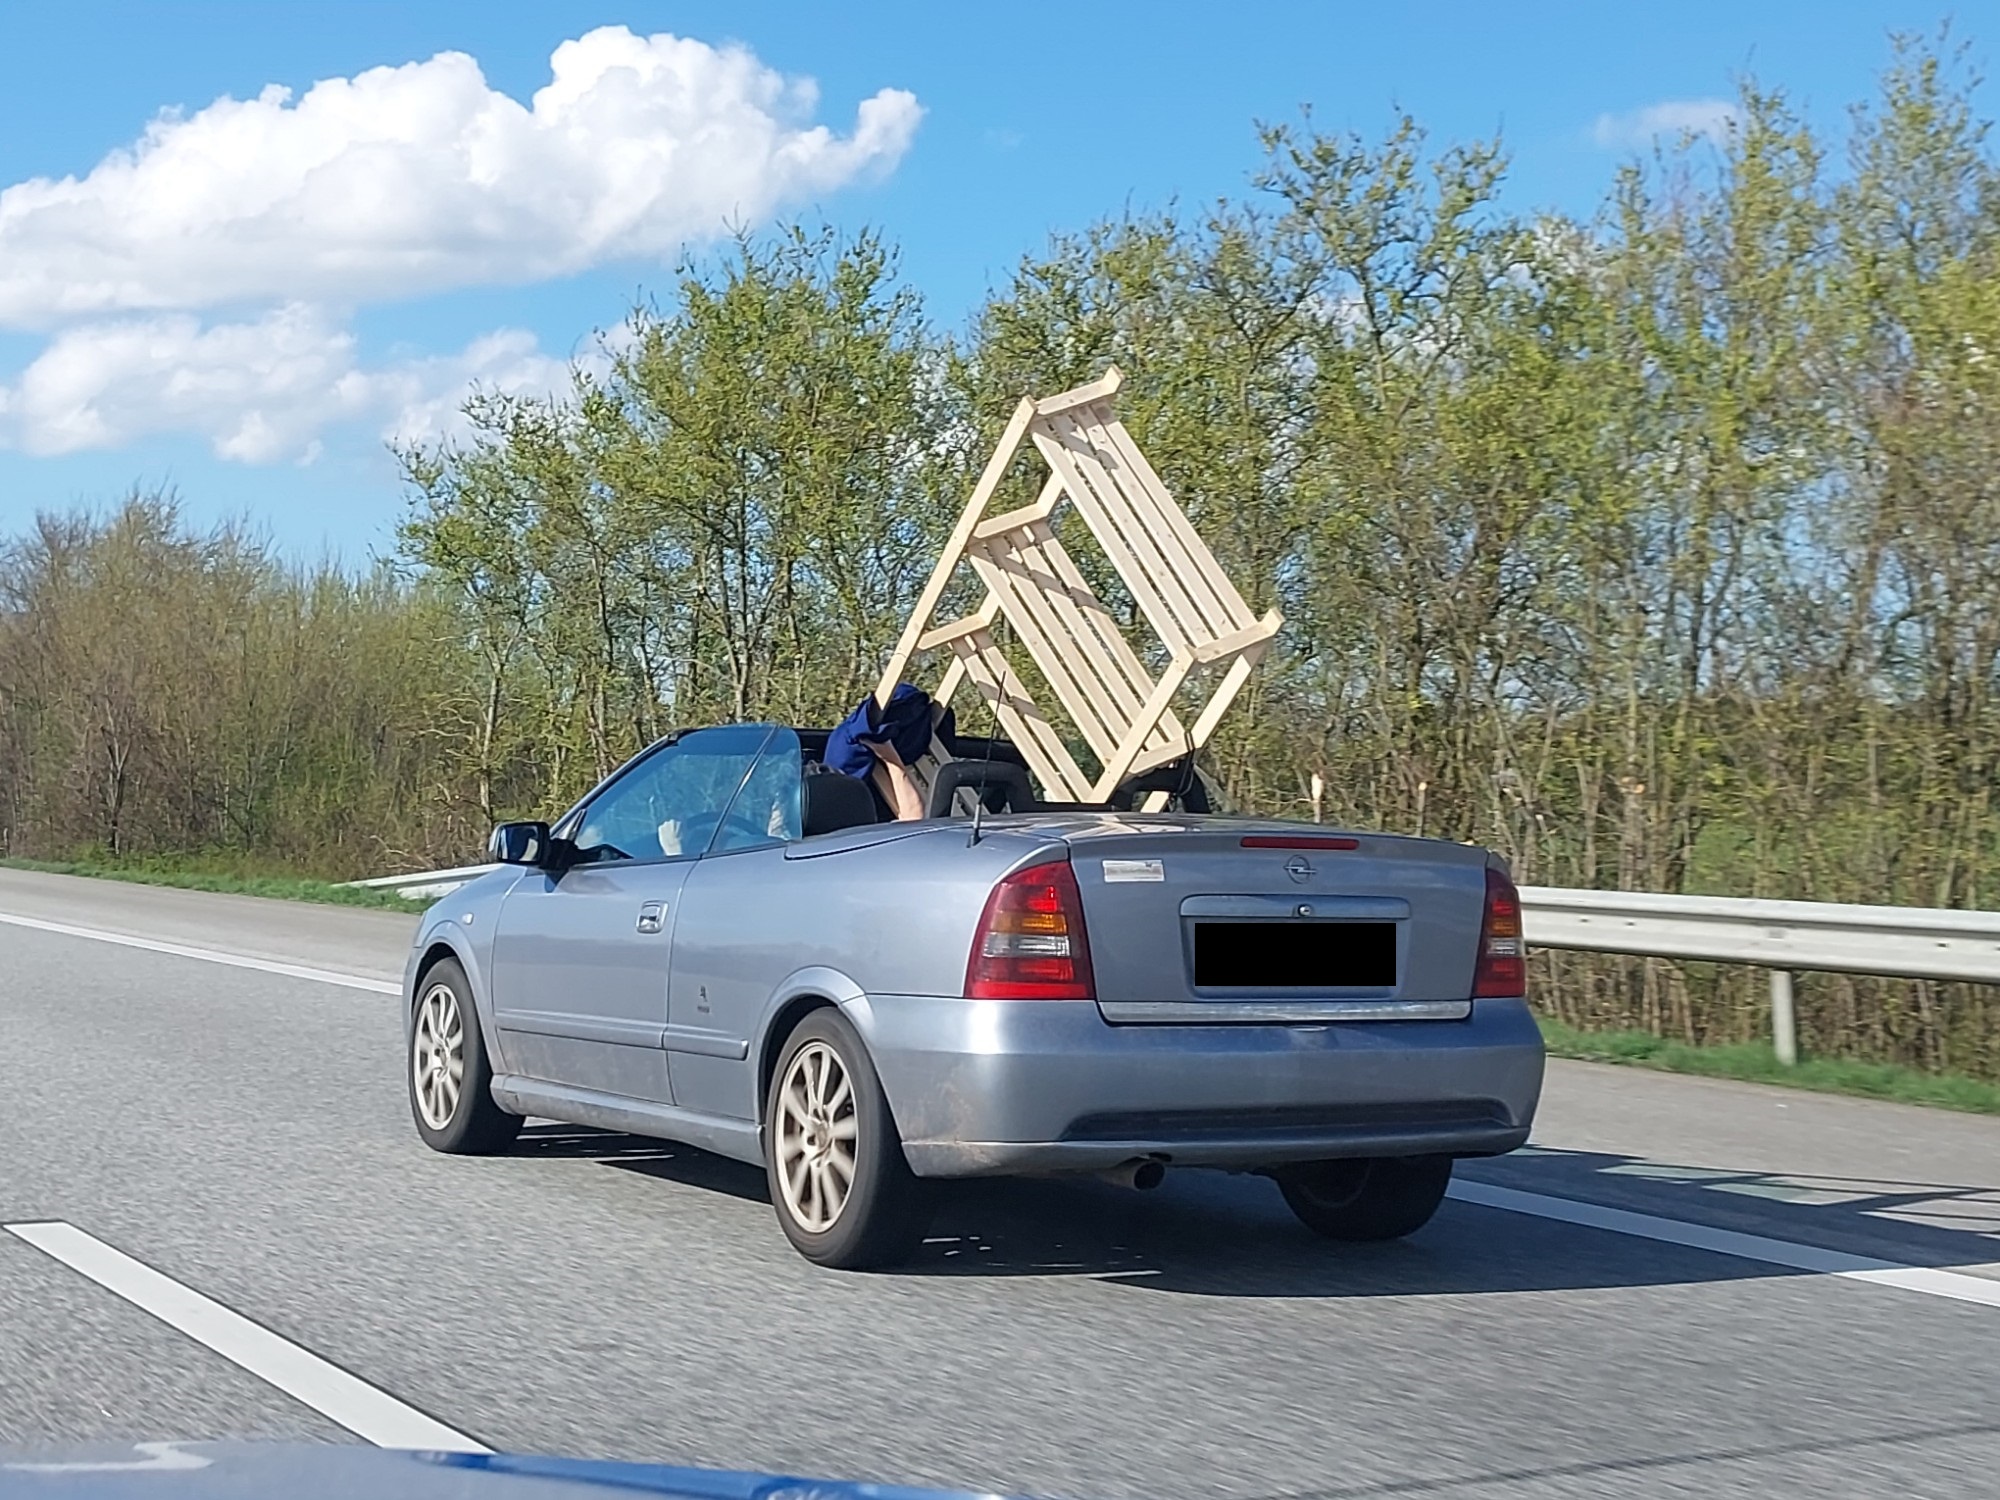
(1119, 709)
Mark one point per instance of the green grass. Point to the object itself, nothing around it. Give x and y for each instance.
(280, 887)
(1754, 1062)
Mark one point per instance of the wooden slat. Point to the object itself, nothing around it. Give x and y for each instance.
(1226, 691)
(1031, 733)
(1157, 757)
(953, 676)
(954, 549)
(1109, 662)
(1240, 640)
(1037, 617)
(979, 619)
(1179, 579)
(1105, 385)
(1126, 539)
(1120, 760)
(945, 634)
(1124, 675)
(1107, 670)
(1041, 510)
(987, 670)
(1183, 553)
(1027, 726)
(1124, 672)
(1135, 532)
(1115, 545)
(1235, 611)
(1070, 627)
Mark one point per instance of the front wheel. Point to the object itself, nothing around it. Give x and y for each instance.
(845, 1196)
(1366, 1198)
(451, 1081)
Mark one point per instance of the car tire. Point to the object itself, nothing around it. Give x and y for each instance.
(450, 1078)
(826, 1116)
(1366, 1198)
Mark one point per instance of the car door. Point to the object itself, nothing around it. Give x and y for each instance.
(582, 952)
(736, 939)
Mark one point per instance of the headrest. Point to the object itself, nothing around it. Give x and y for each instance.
(1001, 785)
(834, 802)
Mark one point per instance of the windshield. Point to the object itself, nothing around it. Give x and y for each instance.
(675, 800)
(767, 808)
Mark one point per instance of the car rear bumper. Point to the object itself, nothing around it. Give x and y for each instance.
(988, 1087)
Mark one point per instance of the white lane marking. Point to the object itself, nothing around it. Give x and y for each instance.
(329, 1390)
(209, 955)
(1924, 1279)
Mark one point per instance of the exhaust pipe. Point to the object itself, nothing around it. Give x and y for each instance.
(1141, 1173)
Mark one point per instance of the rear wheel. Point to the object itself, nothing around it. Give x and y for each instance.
(1367, 1198)
(844, 1195)
(451, 1081)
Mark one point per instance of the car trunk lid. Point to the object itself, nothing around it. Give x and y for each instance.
(1195, 923)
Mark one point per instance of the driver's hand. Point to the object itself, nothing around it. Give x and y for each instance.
(670, 836)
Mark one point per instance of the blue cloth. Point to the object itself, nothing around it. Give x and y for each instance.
(905, 724)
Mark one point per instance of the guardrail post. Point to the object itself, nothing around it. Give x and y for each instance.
(1784, 1019)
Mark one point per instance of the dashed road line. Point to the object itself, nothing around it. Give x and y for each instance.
(343, 1398)
(1927, 1280)
(209, 955)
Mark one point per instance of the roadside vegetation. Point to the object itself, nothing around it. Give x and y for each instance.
(1755, 1062)
(276, 887)
(1659, 551)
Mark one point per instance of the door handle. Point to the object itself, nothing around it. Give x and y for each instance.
(652, 916)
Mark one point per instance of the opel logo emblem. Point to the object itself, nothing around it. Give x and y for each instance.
(1299, 868)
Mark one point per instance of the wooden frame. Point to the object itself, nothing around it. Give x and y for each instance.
(1116, 705)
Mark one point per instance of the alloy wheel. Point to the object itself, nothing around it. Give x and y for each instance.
(817, 1129)
(437, 1056)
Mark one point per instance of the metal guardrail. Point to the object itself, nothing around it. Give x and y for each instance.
(424, 885)
(1785, 937)
(1915, 942)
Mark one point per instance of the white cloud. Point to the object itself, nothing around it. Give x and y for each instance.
(414, 179)
(276, 217)
(423, 398)
(257, 392)
(1711, 118)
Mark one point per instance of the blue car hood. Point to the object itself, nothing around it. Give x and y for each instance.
(300, 1471)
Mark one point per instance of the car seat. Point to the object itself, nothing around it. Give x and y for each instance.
(833, 802)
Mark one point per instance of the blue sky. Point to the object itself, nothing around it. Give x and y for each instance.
(246, 308)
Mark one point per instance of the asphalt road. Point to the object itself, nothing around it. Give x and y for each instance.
(245, 1133)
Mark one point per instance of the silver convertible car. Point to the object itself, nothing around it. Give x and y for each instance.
(728, 946)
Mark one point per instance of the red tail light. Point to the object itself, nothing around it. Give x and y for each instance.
(1030, 944)
(1502, 972)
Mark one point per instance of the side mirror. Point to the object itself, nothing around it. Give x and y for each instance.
(519, 844)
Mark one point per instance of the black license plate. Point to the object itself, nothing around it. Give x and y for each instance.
(1294, 955)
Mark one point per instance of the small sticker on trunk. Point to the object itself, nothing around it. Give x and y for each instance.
(1133, 869)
